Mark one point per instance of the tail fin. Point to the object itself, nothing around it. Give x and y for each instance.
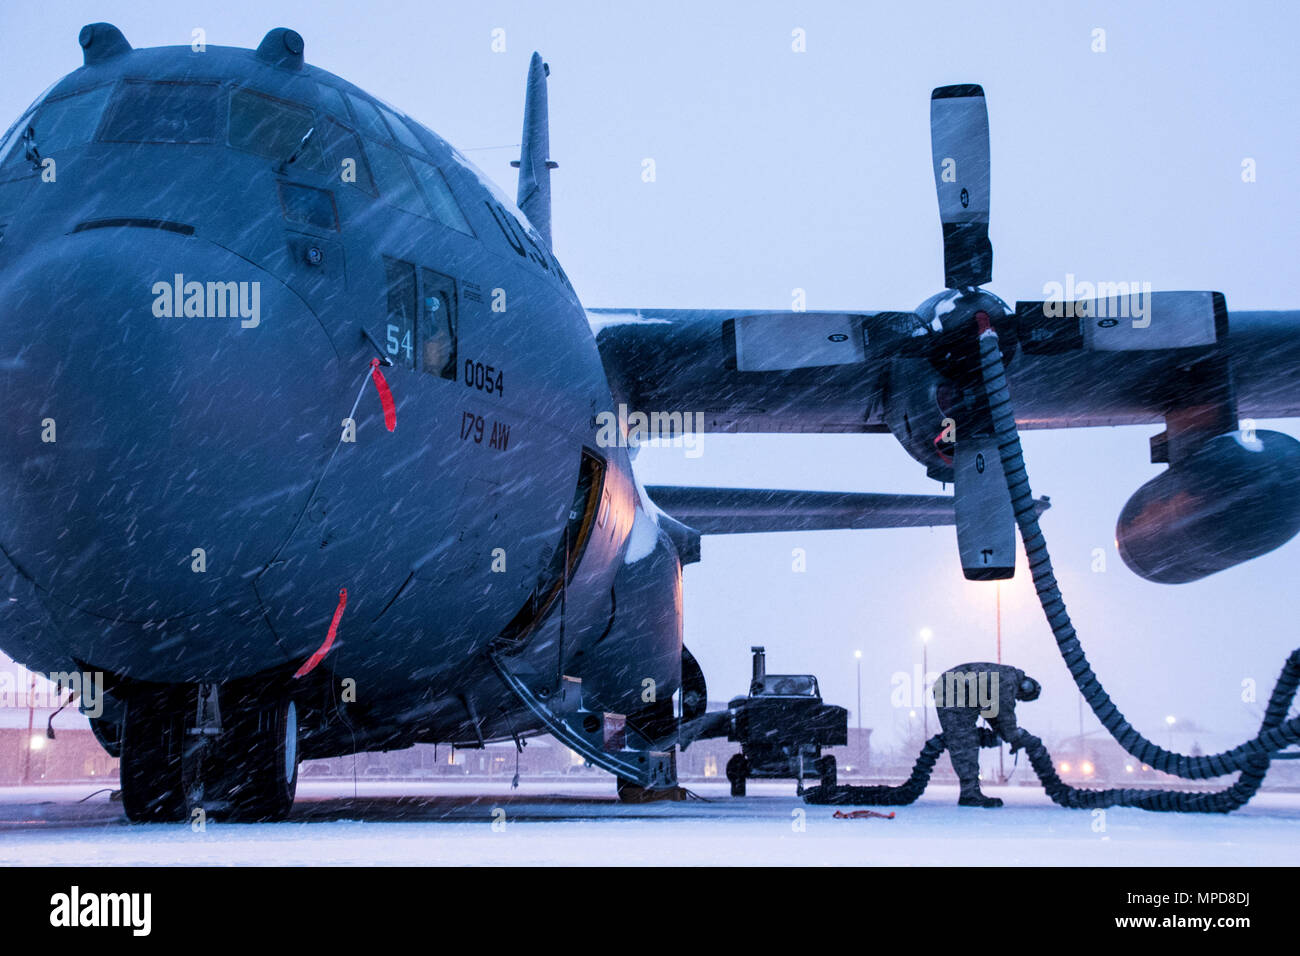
(534, 163)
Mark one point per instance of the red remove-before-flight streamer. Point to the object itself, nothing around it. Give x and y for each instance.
(324, 649)
(385, 395)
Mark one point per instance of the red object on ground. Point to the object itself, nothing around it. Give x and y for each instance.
(385, 395)
(324, 649)
(862, 815)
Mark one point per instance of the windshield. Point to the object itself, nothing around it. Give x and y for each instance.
(272, 128)
(798, 685)
(57, 125)
(165, 112)
(504, 201)
(439, 197)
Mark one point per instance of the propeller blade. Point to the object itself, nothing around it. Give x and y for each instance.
(1127, 321)
(959, 144)
(986, 524)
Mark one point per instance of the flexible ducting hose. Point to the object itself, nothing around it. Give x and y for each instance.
(1075, 798)
(1250, 759)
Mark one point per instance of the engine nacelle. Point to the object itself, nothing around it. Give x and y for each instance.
(934, 386)
(1234, 498)
(917, 402)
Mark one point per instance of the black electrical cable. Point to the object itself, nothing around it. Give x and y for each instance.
(1250, 759)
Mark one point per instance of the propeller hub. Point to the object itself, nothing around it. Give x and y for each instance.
(951, 320)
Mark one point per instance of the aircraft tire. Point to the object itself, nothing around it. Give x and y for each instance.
(826, 770)
(153, 738)
(262, 760)
(737, 771)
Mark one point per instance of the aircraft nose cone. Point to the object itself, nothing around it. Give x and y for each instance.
(153, 459)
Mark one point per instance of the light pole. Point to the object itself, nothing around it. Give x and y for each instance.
(857, 744)
(858, 656)
(1002, 768)
(926, 634)
(31, 713)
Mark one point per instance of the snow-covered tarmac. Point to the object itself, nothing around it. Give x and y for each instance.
(558, 822)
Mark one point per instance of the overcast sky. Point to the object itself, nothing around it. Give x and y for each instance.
(779, 170)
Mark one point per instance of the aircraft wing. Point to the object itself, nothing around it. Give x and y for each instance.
(755, 371)
(1091, 353)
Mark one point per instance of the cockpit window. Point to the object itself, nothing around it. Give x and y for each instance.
(331, 101)
(346, 157)
(13, 154)
(401, 131)
(273, 128)
(69, 121)
(312, 207)
(394, 181)
(439, 197)
(795, 685)
(165, 112)
(56, 125)
(368, 119)
(12, 137)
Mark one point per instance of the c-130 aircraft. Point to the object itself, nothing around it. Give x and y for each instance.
(308, 445)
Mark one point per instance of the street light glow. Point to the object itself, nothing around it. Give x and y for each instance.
(1170, 720)
(926, 634)
(858, 655)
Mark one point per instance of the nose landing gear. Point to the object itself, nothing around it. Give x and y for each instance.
(181, 751)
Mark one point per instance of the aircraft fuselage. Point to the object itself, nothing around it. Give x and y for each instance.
(195, 459)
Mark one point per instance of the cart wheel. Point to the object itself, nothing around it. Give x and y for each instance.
(826, 770)
(737, 771)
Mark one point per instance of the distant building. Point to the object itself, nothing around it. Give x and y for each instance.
(31, 757)
(541, 756)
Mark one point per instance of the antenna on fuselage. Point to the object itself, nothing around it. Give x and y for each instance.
(534, 162)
